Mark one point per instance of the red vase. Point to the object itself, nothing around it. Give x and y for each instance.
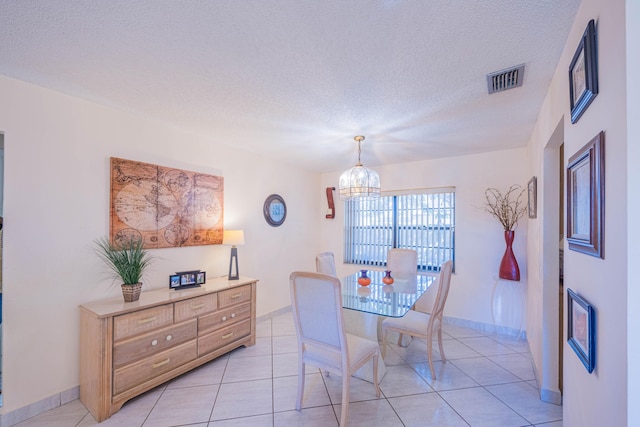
(509, 269)
(364, 280)
(387, 279)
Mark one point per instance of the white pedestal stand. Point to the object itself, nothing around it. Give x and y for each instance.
(508, 307)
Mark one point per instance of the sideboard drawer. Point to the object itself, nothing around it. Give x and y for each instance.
(234, 296)
(136, 348)
(149, 368)
(219, 339)
(195, 307)
(223, 318)
(128, 325)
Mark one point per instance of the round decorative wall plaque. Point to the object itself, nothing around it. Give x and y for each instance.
(275, 210)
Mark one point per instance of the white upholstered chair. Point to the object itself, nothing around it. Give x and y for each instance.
(402, 261)
(326, 264)
(423, 325)
(316, 301)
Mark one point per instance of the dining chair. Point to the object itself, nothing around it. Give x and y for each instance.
(402, 261)
(423, 325)
(325, 264)
(316, 301)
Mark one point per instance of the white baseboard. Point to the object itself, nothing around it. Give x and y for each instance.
(551, 396)
(14, 417)
(275, 313)
(547, 395)
(17, 416)
(485, 327)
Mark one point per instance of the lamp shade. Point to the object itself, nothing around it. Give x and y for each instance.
(233, 237)
(359, 182)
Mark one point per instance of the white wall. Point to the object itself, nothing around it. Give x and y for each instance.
(57, 151)
(598, 398)
(479, 236)
(543, 314)
(1, 171)
(633, 227)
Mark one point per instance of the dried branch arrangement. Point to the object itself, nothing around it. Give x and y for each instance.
(508, 208)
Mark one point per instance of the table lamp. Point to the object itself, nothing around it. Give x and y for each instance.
(233, 238)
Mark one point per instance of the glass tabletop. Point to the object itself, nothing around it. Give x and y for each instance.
(386, 300)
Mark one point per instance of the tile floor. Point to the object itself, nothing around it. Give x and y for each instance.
(487, 381)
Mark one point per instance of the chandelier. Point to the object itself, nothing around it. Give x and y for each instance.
(359, 181)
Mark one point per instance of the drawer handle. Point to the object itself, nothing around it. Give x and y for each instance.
(229, 335)
(224, 318)
(164, 362)
(233, 315)
(147, 320)
(154, 342)
(169, 337)
(236, 296)
(197, 307)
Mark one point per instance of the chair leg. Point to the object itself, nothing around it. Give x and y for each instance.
(300, 387)
(345, 399)
(384, 342)
(375, 374)
(444, 359)
(430, 355)
(401, 339)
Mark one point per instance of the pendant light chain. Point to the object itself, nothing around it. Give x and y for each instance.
(359, 139)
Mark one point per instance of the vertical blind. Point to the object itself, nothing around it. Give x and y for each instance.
(423, 220)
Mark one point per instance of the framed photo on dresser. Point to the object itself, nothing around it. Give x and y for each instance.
(187, 279)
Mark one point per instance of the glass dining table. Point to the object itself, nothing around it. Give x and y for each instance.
(366, 306)
(384, 300)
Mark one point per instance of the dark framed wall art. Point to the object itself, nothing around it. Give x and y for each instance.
(585, 198)
(581, 334)
(583, 73)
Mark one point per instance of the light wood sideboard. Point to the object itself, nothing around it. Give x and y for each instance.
(129, 348)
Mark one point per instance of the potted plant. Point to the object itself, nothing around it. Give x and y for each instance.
(508, 208)
(127, 261)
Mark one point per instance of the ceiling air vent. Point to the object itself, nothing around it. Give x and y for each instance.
(505, 79)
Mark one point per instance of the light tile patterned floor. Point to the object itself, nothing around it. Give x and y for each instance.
(487, 381)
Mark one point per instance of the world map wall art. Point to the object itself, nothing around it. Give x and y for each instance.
(164, 206)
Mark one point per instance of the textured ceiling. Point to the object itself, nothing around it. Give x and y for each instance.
(297, 79)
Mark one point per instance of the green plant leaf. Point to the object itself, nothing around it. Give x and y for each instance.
(127, 262)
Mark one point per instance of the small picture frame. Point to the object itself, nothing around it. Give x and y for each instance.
(174, 281)
(585, 199)
(581, 329)
(186, 279)
(201, 278)
(532, 196)
(583, 73)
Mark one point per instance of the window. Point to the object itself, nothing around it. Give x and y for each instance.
(421, 220)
